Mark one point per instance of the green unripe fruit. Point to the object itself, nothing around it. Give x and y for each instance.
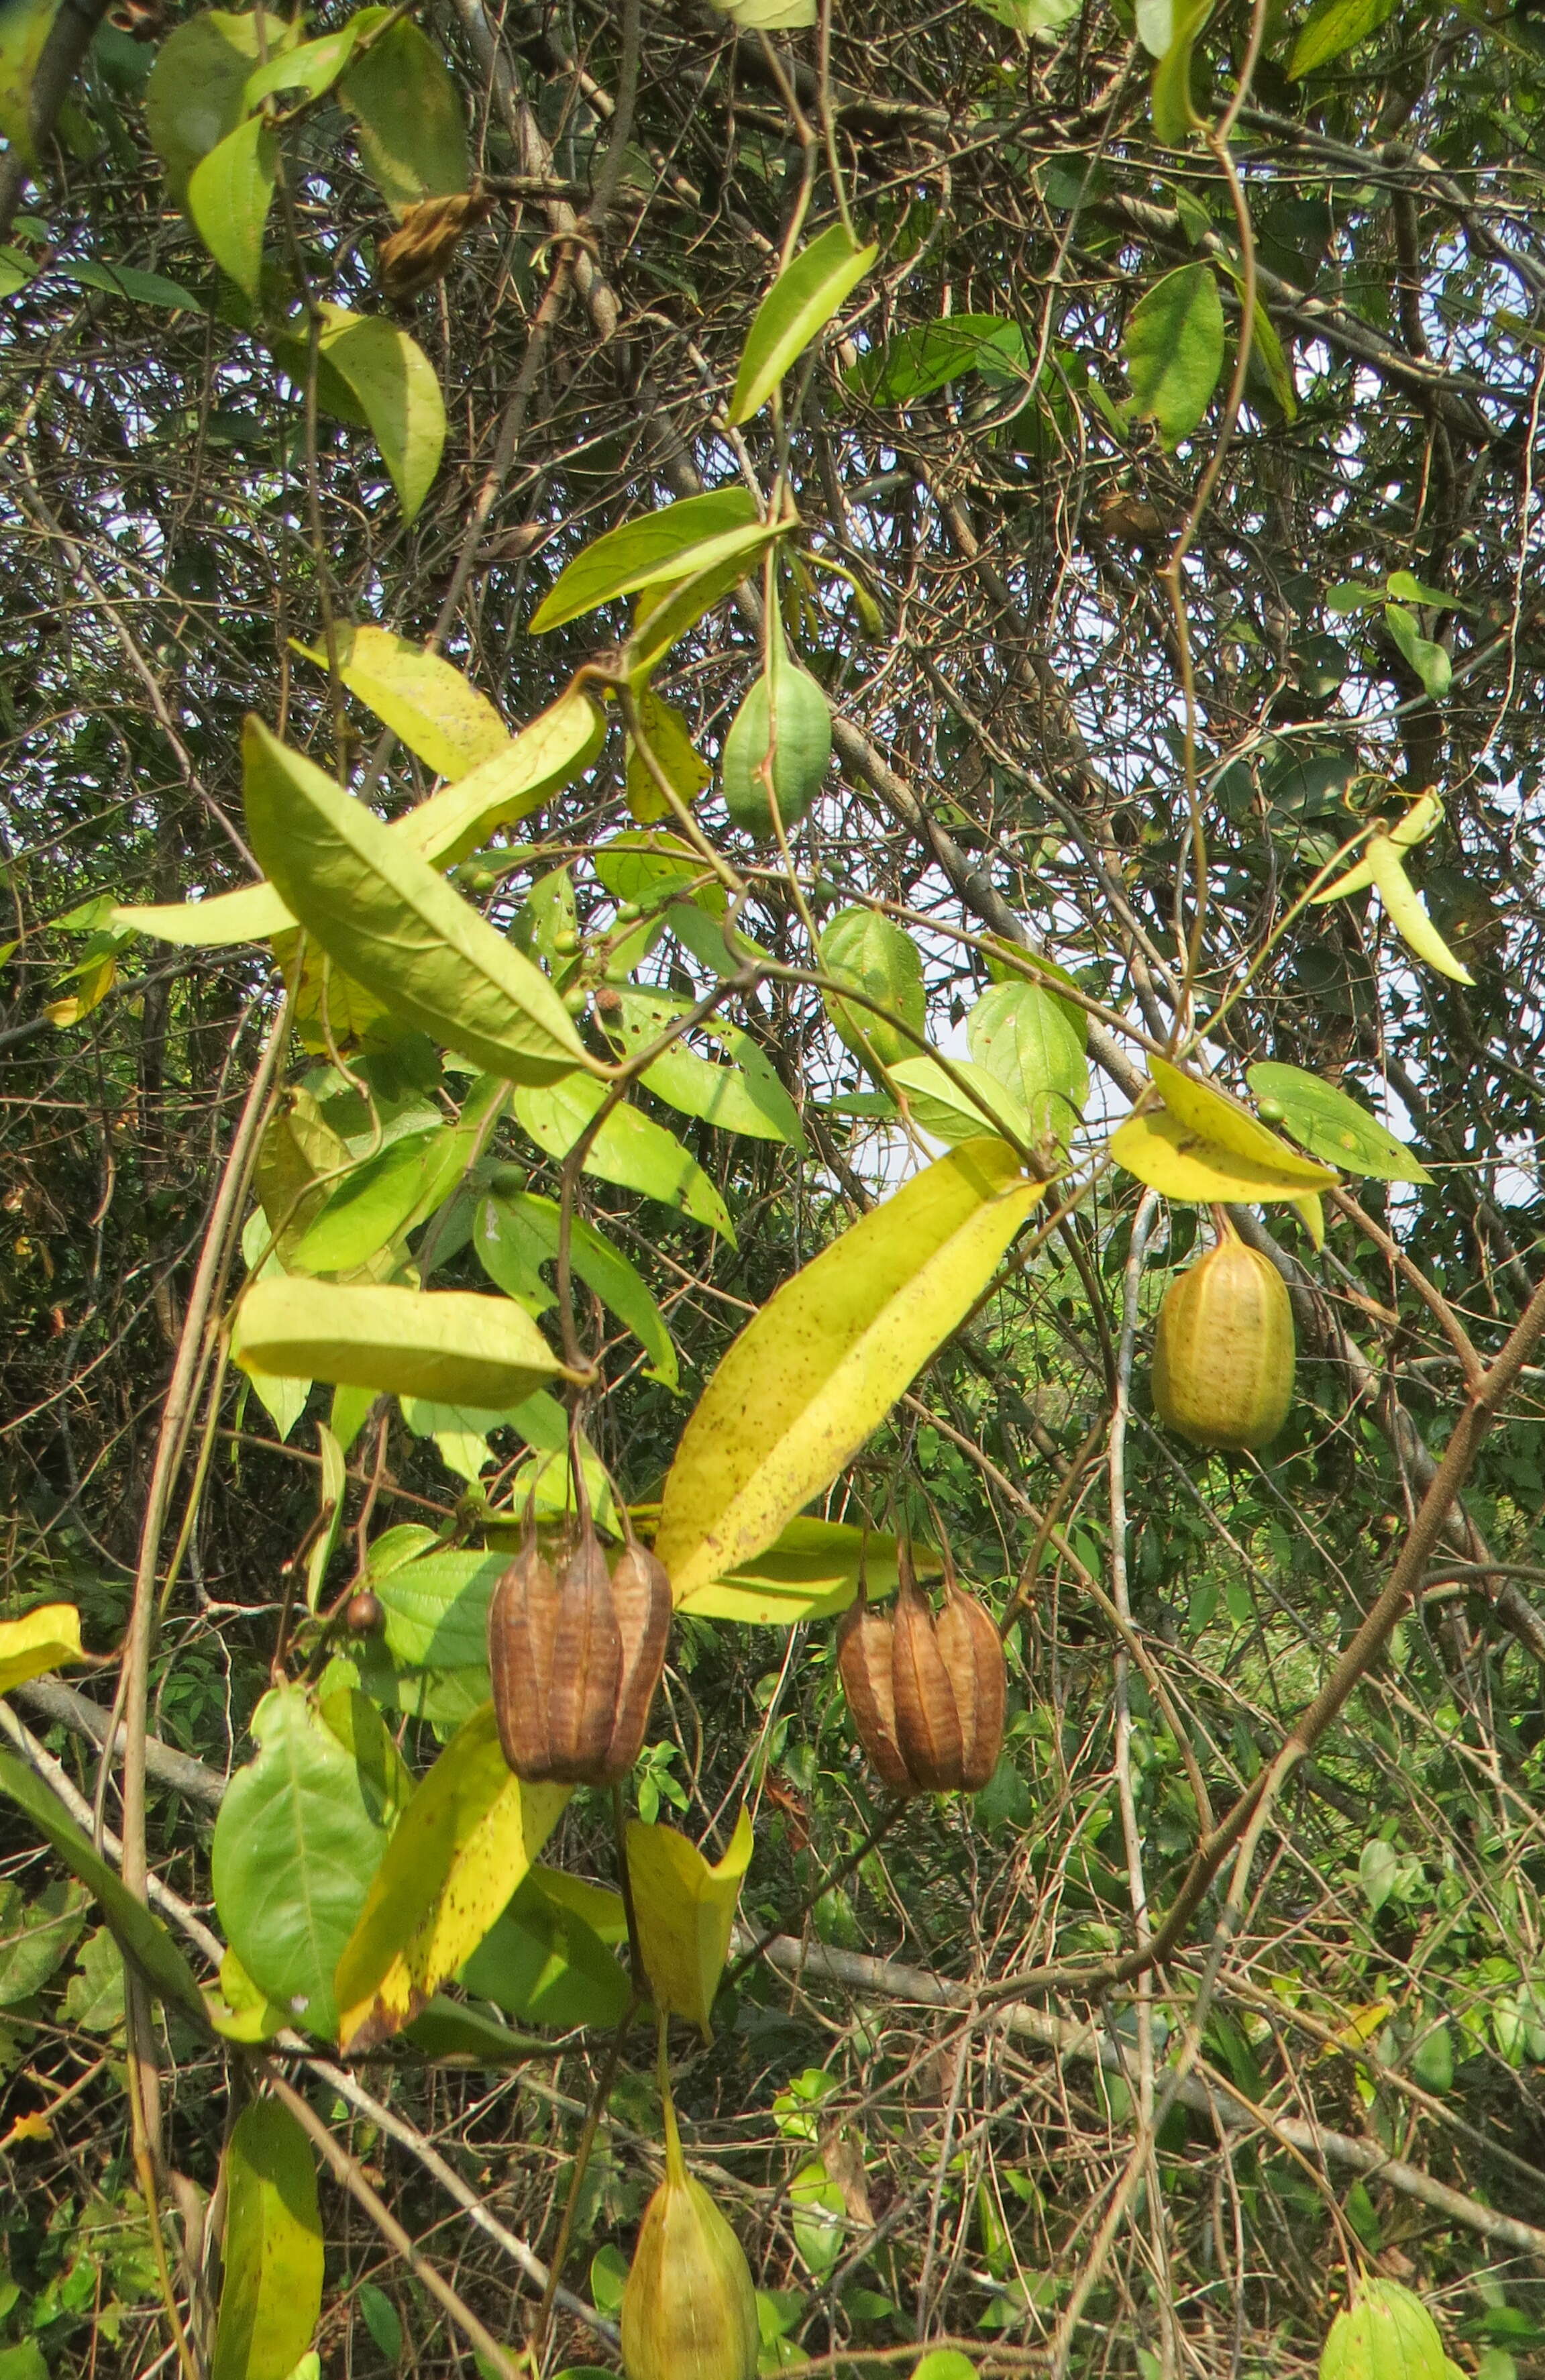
(1224, 1350)
(787, 712)
(689, 2310)
(1270, 1110)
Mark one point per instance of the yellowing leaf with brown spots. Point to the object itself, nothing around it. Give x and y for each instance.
(818, 1369)
(461, 1847)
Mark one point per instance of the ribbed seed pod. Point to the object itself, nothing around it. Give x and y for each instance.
(926, 1693)
(575, 1659)
(421, 251)
(689, 2310)
(1224, 1350)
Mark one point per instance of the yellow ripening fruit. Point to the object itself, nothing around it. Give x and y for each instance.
(689, 2310)
(1223, 1353)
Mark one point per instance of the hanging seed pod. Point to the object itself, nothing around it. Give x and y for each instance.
(926, 1693)
(1224, 1350)
(576, 1655)
(689, 2310)
(419, 251)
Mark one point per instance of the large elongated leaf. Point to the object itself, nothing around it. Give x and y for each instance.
(931, 355)
(229, 193)
(310, 69)
(447, 1344)
(1174, 346)
(811, 1571)
(384, 916)
(514, 1236)
(943, 1102)
(461, 1847)
(875, 955)
(630, 1150)
(388, 1194)
(671, 544)
(272, 2296)
(1330, 1124)
(295, 1845)
(687, 1913)
(818, 1368)
(438, 713)
(555, 747)
(801, 302)
(140, 1936)
(543, 1962)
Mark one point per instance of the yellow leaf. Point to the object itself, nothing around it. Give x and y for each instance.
(238, 2009)
(685, 1911)
(1311, 1214)
(35, 2127)
(1179, 1164)
(461, 1847)
(1203, 1147)
(43, 1639)
(438, 712)
(96, 982)
(1214, 1117)
(1408, 911)
(819, 1368)
(1361, 2025)
(810, 1571)
(452, 1346)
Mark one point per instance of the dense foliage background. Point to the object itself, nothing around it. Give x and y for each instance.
(1343, 568)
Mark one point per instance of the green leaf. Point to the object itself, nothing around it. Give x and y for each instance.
(945, 2363)
(448, 1344)
(1429, 661)
(48, 1637)
(1330, 26)
(295, 1845)
(411, 130)
(383, 915)
(630, 1150)
(542, 1963)
(310, 69)
(127, 280)
(1385, 2334)
(1174, 348)
(1432, 2059)
(943, 1104)
(395, 387)
(25, 27)
(745, 1096)
(1034, 1042)
(801, 302)
(382, 2320)
(514, 1236)
(1330, 1124)
(686, 1913)
(929, 356)
(438, 712)
(448, 2028)
(768, 16)
(140, 1936)
(670, 740)
(1171, 105)
(95, 1998)
(271, 2298)
(1407, 590)
(872, 954)
(35, 1936)
(818, 1368)
(460, 1847)
(229, 193)
(16, 272)
(659, 623)
(1377, 1872)
(660, 550)
(380, 1198)
(555, 747)
(194, 92)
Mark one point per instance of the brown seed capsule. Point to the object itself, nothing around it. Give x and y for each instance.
(364, 1614)
(926, 1694)
(421, 249)
(575, 1658)
(1224, 1350)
